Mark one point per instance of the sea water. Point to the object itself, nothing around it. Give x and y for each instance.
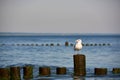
(36, 50)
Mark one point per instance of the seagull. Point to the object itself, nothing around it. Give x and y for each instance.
(78, 45)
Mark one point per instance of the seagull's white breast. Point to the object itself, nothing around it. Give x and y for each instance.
(78, 46)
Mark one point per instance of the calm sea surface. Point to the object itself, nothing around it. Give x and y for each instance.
(100, 50)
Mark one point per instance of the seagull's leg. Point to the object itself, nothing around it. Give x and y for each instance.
(76, 52)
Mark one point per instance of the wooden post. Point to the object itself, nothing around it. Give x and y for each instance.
(51, 44)
(100, 71)
(4, 74)
(44, 71)
(79, 65)
(71, 44)
(58, 44)
(61, 70)
(66, 43)
(116, 70)
(28, 72)
(15, 73)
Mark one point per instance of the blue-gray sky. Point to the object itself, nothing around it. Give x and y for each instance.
(60, 16)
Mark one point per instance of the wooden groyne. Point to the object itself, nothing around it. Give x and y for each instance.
(14, 73)
(53, 44)
(79, 62)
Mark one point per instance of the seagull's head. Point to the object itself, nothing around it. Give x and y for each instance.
(78, 41)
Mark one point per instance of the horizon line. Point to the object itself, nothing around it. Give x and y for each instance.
(38, 34)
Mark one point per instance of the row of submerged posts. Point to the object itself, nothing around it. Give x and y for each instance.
(80, 67)
(58, 44)
(13, 73)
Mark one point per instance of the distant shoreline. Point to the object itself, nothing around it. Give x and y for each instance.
(55, 34)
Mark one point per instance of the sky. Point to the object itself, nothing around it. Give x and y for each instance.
(60, 16)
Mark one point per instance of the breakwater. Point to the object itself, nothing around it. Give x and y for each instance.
(79, 62)
(27, 72)
(53, 44)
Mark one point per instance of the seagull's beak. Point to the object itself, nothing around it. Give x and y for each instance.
(76, 41)
(80, 41)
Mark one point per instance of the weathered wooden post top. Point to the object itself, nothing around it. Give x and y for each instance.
(28, 72)
(15, 73)
(79, 65)
(4, 74)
